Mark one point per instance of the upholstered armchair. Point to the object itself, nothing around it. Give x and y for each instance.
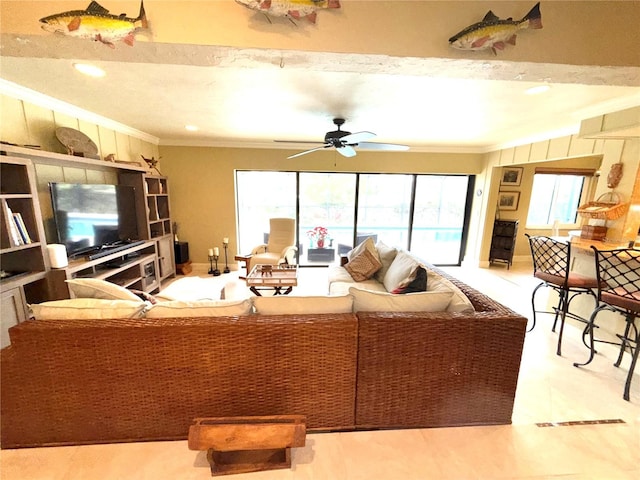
(280, 247)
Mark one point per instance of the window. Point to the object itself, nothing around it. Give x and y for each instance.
(555, 197)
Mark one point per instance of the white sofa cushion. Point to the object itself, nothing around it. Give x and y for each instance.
(283, 305)
(95, 288)
(368, 301)
(459, 301)
(342, 288)
(337, 273)
(88, 308)
(402, 268)
(387, 255)
(200, 308)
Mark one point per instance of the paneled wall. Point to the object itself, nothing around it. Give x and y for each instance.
(26, 123)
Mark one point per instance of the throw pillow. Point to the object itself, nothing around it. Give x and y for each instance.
(88, 308)
(368, 244)
(386, 254)
(416, 284)
(402, 268)
(95, 288)
(283, 305)
(200, 308)
(363, 266)
(459, 302)
(368, 301)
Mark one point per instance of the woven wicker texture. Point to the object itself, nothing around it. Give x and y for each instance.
(419, 370)
(604, 210)
(435, 369)
(74, 382)
(77, 382)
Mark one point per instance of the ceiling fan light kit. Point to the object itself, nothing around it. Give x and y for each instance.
(345, 142)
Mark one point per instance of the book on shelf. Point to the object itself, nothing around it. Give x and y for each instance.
(15, 239)
(22, 228)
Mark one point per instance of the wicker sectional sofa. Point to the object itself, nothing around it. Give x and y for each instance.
(118, 380)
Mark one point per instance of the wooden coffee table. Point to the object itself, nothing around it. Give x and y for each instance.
(281, 278)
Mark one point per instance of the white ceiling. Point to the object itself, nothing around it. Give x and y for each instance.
(250, 97)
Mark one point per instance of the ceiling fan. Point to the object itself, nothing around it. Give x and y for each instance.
(344, 142)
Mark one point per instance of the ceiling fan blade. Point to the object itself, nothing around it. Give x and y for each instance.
(310, 142)
(357, 137)
(308, 151)
(392, 147)
(347, 151)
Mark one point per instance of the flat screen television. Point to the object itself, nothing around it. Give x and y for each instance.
(92, 216)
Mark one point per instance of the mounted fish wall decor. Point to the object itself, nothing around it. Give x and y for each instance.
(493, 33)
(292, 9)
(97, 24)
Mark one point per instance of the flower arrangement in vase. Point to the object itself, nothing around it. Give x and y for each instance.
(319, 235)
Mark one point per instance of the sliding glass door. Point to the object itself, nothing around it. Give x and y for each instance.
(384, 208)
(326, 203)
(439, 217)
(259, 197)
(426, 214)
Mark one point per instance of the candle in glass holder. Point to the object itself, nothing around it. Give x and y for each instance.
(225, 240)
(216, 251)
(211, 252)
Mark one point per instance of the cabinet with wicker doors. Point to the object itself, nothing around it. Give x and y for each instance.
(503, 241)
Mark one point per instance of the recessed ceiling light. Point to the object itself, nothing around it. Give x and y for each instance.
(191, 128)
(90, 70)
(538, 89)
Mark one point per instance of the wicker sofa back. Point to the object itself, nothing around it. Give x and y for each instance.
(77, 382)
(439, 369)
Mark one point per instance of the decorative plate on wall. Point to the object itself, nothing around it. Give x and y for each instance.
(76, 142)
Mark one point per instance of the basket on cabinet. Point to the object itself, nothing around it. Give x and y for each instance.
(607, 206)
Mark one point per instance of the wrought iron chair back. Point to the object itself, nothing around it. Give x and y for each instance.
(618, 274)
(550, 256)
(551, 264)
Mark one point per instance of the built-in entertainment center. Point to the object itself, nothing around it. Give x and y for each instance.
(119, 230)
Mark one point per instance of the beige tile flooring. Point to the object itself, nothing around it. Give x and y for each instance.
(550, 389)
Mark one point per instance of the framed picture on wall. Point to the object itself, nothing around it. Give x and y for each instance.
(511, 176)
(508, 200)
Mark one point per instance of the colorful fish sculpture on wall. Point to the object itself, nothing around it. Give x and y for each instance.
(96, 23)
(493, 33)
(293, 9)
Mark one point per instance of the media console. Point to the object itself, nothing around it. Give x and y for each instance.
(134, 266)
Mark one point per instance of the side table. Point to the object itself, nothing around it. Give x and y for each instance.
(247, 264)
(321, 254)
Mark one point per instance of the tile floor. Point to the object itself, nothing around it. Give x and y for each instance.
(550, 389)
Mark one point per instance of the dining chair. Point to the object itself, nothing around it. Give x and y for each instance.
(551, 264)
(618, 274)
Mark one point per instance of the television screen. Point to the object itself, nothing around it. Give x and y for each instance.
(89, 216)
